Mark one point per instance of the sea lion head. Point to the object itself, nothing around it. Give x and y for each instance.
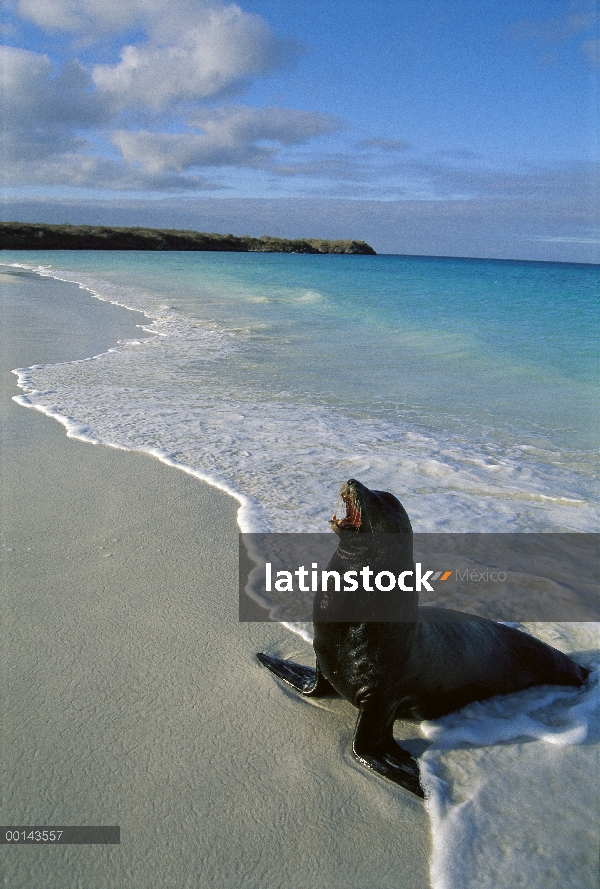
(370, 512)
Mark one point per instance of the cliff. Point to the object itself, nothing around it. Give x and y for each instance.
(39, 236)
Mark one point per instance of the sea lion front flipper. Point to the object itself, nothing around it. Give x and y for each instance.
(309, 682)
(374, 746)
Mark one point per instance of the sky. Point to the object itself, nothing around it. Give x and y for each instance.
(432, 127)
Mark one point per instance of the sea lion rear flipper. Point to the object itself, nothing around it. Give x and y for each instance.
(309, 682)
(374, 746)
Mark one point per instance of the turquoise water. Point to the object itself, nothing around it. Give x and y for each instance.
(447, 336)
(473, 382)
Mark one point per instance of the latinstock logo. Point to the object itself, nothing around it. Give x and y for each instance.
(385, 581)
(505, 576)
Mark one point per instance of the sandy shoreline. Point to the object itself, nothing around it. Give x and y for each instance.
(131, 693)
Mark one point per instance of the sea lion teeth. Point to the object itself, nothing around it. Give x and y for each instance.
(419, 663)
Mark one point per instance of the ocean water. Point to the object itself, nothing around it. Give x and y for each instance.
(468, 388)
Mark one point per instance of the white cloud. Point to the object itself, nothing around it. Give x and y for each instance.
(232, 137)
(194, 51)
(239, 123)
(44, 118)
(100, 15)
(158, 152)
(42, 112)
(88, 171)
(27, 83)
(214, 53)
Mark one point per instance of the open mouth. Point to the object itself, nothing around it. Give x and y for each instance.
(351, 521)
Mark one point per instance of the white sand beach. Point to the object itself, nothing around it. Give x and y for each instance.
(131, 695)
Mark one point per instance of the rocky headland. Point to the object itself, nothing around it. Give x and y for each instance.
(40, 236)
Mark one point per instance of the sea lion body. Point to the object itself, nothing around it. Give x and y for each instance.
(441, 664)
(392, 659)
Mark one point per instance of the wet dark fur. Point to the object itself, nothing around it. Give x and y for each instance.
(441, 661)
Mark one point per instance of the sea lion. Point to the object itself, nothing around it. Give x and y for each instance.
(402, 661)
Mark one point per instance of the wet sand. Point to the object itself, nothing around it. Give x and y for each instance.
(131, 695)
